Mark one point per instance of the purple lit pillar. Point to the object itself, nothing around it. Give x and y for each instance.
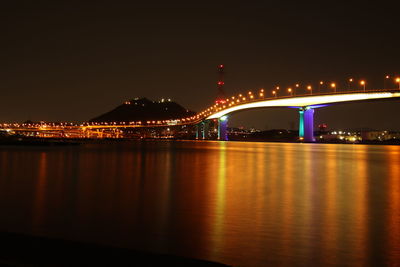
(307, 124)
(223, 128)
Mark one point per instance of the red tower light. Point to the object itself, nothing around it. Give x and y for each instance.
(220, 84)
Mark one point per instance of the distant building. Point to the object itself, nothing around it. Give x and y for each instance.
(345, 136)
(379, 135)
(357, 136)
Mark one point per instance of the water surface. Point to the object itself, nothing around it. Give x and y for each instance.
(244, 204)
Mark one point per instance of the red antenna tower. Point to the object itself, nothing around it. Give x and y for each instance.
(221, 97)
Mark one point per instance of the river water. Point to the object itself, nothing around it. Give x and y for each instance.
(243, 204)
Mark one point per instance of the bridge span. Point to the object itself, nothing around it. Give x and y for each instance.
(306, 104)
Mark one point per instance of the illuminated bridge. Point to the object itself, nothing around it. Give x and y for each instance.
(220, 112)
(306, 104)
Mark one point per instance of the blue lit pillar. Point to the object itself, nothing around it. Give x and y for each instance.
(306, 125)
(204, 129)
(301, 124)
(197, 129)
(223, 128)
(201, 130)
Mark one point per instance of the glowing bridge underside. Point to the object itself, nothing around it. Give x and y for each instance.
(306, 101)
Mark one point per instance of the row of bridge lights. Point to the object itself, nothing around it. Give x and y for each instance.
(235, 100)
(333, 85)
(291, 90)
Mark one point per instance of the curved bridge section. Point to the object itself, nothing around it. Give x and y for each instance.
(304, 103)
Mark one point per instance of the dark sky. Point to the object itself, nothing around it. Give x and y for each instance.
(69, 60)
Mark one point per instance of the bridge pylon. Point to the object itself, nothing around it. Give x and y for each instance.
(223, 128)
(202, 129)
(306, 124)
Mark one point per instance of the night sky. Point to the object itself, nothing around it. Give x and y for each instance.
(70, 61)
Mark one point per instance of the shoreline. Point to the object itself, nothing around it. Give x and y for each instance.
(33, 141)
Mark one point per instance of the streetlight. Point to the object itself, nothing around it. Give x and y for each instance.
(333, 85)
(363, 84)
(387, 77)
(309, 88)
(350, 81)
(398, 81)
(274, 93)
(319, 85)
(290, 91)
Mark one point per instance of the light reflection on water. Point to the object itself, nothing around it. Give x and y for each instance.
(246, 204)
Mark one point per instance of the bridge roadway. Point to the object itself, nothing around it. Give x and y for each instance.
(305, 103)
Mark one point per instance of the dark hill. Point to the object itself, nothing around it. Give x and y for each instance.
(143, 109)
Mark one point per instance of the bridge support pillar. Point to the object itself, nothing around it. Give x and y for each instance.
(204, 129)
(306, 125)
(223, 128)
(197, 129)
(201, 130)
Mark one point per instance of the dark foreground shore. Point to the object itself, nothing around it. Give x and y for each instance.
(23, 250)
